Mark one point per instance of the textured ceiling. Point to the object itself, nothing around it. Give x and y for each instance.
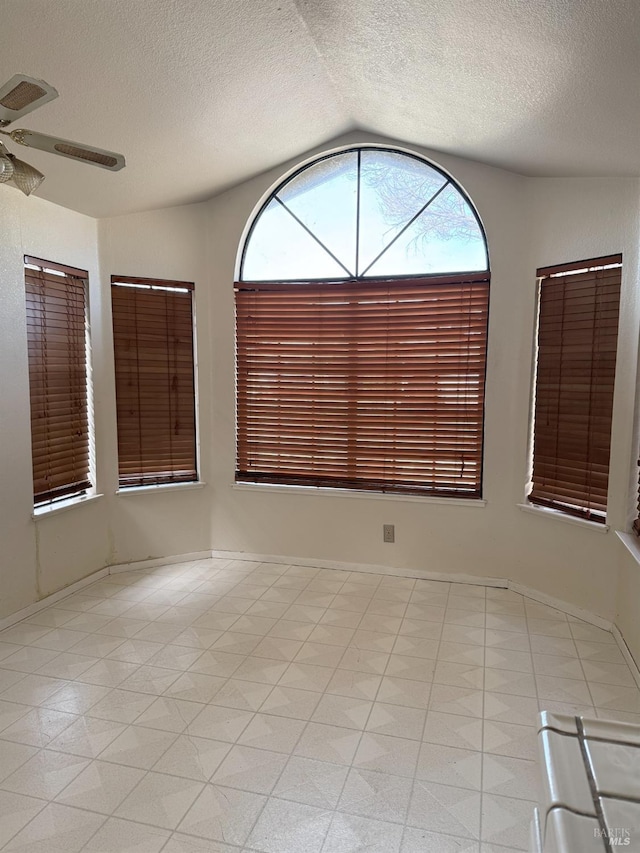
(201, 94)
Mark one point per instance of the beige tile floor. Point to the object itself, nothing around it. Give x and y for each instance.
(228, 706)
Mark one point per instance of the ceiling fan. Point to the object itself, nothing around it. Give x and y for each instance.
(19, 96)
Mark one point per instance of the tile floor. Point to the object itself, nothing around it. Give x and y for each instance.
(226, 706)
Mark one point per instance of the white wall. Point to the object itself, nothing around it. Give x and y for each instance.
(628, 604)
(433, 536)
(39, 557)
(529, 223)
(164, 244)
(574, 219)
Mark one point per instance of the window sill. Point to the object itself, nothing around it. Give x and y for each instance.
(547, 512)
(631, 542)
(48, 510)
(355, 494)
(160, 489)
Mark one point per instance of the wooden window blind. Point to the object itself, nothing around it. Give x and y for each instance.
(363, 384)
(155, 391)
(577, 340)
(57, 348)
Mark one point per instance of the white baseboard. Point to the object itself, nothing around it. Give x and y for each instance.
(47, 601)
(564, 606)
(158, 561)
(503, 583)
(367, 568)
(31, 609)
(626, 653)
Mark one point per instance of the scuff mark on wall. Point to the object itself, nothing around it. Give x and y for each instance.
(36, 535)
(111, 559)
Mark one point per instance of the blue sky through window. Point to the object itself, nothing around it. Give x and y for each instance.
(310, 229)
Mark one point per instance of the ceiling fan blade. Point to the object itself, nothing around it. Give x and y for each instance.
(66, 148)
(21, 95)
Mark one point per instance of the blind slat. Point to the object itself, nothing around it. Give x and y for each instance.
(154, 368)
(365, 385)
(56, 338)
(577, 340)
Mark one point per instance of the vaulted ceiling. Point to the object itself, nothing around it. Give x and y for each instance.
(202, 94)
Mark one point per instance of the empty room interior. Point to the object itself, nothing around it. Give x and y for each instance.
(319, 498)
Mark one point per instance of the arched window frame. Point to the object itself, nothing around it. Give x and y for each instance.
(298, 170)
(473, 281)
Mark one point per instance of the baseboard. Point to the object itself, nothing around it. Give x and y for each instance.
(158, 561)
(367, 568)
(560, 604)
(626, 653)
(504, 583)
(48, 600)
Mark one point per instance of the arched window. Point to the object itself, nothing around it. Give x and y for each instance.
(362, 329)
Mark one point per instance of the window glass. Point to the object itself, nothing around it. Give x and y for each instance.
(361, 331)
(444, 238)
(364, 213)
(393, 189)
(324, 198)
(280, 249)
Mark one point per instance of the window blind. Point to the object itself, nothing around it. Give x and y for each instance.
(363, 384)
(155, 392)
(636, 521)
(57, 349)
(577, 340)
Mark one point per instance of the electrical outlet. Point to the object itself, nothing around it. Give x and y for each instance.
(388, 533)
